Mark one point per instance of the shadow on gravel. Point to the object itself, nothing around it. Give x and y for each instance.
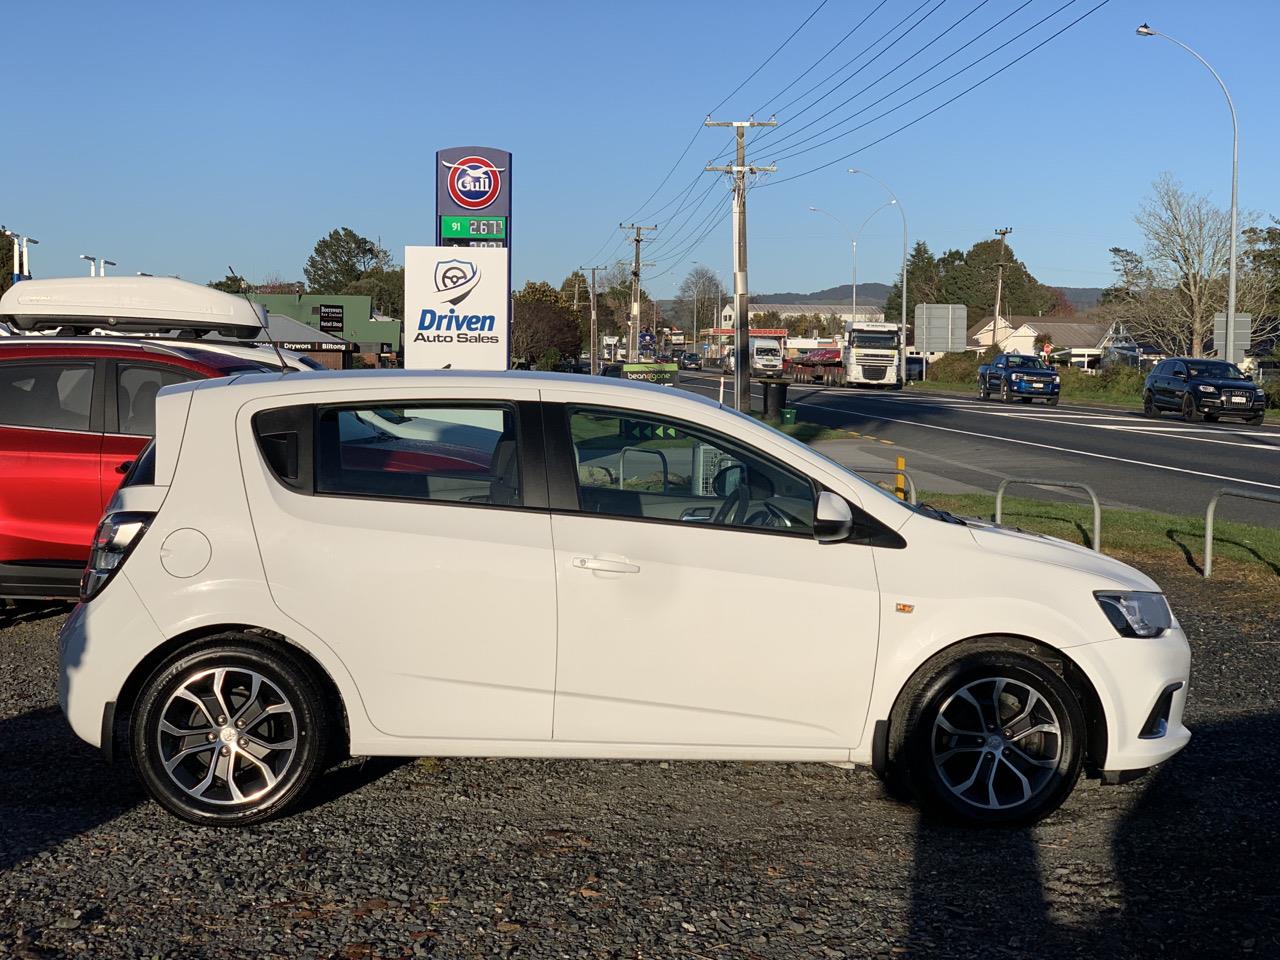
(1196, 858)
(1194, 562)
(30, 611)
(55, 787)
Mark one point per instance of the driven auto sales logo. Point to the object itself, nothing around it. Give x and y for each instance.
(455, 280)
(474, 182)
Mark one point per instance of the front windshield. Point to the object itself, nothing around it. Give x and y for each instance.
(1028, 363)
(879, 341)
(1216, 370)
(767, 352)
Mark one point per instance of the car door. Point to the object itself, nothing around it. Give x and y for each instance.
(695, 606)
(996, 374)
(50, 459)
(417, 545)
(1176, 385)
(131, 390)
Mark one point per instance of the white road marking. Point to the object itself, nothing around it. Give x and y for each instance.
(1057, 449)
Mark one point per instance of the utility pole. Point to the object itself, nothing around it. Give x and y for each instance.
(595, 338)
(995, 322)
(742, 324)
(633, 337)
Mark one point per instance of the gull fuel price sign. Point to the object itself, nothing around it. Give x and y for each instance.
(473, 197)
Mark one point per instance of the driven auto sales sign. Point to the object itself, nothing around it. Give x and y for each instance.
(457, 308)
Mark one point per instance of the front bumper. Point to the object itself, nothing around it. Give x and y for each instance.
(1130, 677)
(1211, 404)
(1029, 388)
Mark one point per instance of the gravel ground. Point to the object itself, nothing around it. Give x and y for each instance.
(476, 858)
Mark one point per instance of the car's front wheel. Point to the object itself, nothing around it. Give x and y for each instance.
(1149, 408)
(1190, 412)
(229, 734)
(991, 738)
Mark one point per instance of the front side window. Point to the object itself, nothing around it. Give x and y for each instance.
(449, 453)
(136, 389)
(54, 396)
(648, 468)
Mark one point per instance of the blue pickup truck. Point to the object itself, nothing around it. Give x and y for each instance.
(1016, 377)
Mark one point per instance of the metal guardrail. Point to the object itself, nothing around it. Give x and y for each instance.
(622, 465)
(1097, 507)
(911, 484)
(1213, 507)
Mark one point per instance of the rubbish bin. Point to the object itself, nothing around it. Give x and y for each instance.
(788, 415)
(775, 398)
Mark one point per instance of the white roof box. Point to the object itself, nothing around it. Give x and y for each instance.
(129, 304)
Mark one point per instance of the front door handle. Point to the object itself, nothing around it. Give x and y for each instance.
(605, 566)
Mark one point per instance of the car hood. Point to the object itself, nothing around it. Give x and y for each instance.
(1034, 372)
(1021, 545)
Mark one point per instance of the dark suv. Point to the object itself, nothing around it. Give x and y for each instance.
(74, 413)
(1202, 390)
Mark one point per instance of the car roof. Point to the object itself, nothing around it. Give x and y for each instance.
(214, 361)
(335, 381)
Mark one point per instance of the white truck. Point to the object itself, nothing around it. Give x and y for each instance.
(766, 356)
(872, 354)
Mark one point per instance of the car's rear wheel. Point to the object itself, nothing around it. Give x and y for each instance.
(1149, 408)
(1254, 420)
(229, 734)
(991, 738)
(1190, 412)
(1051, 402)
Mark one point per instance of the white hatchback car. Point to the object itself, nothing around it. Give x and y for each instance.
(518, 565)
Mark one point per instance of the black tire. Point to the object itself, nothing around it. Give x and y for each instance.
(272, 778)
(917, 741)
(1051, 402)
(1026, 399)
(1190, 412)
(983, 392)
(1149, 408)
(1255, 420)
(1006, 396)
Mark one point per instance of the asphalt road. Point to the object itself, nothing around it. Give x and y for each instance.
(1163, 465)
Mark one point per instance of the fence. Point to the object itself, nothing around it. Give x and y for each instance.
(1213, 507)
(1097, 508)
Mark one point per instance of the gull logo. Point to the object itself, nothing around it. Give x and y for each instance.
(455, 279)
(474, 182)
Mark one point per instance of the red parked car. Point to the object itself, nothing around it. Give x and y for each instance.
(74, 413)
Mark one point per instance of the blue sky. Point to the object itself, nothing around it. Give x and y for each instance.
(180, 139)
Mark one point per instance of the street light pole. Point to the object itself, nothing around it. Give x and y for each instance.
(902, 332)
(853, 245)
(1229, 353)
(93, 264)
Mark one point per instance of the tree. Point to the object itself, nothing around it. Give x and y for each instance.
(700, 290)
(616, 284)
(384, 286)
(231, 283)
(6, 263)
(341, 258)
(543, 329)
(1167, 294)
(924, 284)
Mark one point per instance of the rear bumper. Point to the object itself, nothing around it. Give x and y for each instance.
(1131, 677)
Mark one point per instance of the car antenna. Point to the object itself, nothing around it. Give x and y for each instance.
(284, 367)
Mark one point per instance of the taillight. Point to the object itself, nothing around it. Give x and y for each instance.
(117, 534)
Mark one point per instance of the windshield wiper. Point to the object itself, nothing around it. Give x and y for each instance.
(938, 513)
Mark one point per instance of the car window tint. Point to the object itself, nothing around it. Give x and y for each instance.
(54, 396)
(457, 454)
(645, 467)
(136, 389)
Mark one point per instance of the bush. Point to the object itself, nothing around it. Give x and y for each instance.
(959, 367)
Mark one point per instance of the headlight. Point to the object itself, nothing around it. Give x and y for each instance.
(1205, 388)
(1015, 376)
(117, 534)
(1136, 614)
(1057, 378)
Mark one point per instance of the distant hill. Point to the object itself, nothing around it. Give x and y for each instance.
(871, 294)
(1082, 298)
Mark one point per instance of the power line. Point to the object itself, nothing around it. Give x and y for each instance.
(778, 142)
(947, 102)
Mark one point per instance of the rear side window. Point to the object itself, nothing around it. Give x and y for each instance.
(54, 396)
(449, 453)
(136, 389)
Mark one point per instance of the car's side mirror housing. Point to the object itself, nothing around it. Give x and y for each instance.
(832, 518)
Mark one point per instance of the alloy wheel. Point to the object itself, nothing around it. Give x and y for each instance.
(996, 743)
(227, 736)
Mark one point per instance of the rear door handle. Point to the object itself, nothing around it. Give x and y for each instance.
(605, 566)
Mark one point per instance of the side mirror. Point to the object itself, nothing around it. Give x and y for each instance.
(832, 520)
(1180, 374)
